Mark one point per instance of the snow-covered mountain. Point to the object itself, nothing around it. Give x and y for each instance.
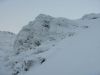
(66, 46)
(38, 37)
(77, 55)
(43, 29)
(6, 41)
(6, 47)
(91, 16)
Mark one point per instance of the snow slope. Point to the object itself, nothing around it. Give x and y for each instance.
(6, 48)
(6, 39)
(6, 42)
(77, 55)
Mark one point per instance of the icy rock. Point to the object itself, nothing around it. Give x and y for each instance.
(44, 28)
(91, 16)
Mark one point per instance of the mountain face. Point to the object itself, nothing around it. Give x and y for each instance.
(77, 55)
(42, 39)
(6, 49)
(6, 41)
(43, 29)
(91, 16)
(38, 37)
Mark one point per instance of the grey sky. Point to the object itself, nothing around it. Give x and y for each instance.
(16, 13)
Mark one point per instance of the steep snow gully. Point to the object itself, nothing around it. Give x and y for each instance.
(53, 46)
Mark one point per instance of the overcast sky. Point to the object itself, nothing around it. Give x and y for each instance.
(16, 13)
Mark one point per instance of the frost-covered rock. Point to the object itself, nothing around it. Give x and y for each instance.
(91, 16)
(38, 37)
(23, 62)
(43, 29)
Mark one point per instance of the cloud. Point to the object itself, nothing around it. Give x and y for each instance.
(3, 0)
